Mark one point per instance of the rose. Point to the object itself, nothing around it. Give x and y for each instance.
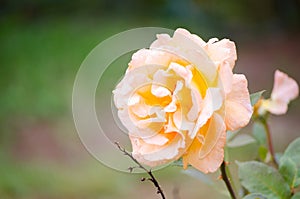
(178, 98)
(285, 89)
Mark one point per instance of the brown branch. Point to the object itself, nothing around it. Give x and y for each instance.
(149, 172)
(226, 180)
(270, 143)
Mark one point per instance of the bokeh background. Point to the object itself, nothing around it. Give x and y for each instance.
(42, 44)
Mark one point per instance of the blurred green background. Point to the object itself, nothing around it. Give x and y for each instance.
(42, 46)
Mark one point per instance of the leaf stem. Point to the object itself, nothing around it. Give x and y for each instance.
(149, 172)
(227, 180)
(270, 143)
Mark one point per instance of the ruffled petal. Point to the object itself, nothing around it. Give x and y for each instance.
(155, 155)
(189, 47)
(206, 154)
(237, 106)
(285, 88)
(223, 51)
(211, 103)
(149, 57)
(274, 107)
(226, 78)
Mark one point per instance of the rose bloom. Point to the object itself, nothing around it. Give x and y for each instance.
(284, 90)
(178, 98)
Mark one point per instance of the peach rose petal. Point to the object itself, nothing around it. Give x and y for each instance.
(207, 156)
(226, 78)
(160, 91)
(223, 51)
(173, 97)
(183, 72)
(149, 57)
(187, 49)
(238, 109)
(212, 102)
(155, 155)
(274, 107)
(285, 89)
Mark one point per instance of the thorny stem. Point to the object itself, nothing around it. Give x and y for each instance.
(270, 143)
(227, 180)
(149, 172)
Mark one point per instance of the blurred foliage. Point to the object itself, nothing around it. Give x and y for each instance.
(43, 43)
(246, 12)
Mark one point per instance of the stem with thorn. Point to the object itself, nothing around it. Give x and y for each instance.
(149, 172)
(227, 180)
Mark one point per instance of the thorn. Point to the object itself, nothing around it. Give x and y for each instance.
(130, 169)
(227, 163)
(150, 179)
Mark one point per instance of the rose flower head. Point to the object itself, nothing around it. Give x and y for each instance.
(178, 98)
(284, 90)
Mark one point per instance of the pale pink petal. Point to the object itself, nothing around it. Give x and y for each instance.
(157, 139)
(223, 51)
(160, 91)
(149, 57)
(211, 103)
(194, 112)
(170, 108)
(141, 110)
(226, 78)
(155, 155)
(181, 122)
(183, 72)
(208, 156)
(285, 88)
(140, 128)
(193, 37)
(135, 99)
(188, 47)
(274, 107)
(237, 106)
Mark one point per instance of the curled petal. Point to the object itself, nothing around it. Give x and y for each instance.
(226, 78)
(207, 154)
(274, 107)
(155, 155)
(223, 51)
(189, 47)
(211, 103)
(285, 89)
(237, 106)
(149, 57)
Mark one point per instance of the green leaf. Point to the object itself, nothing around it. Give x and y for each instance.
(255, 196)
(241, 140)
(292, 154)
(263, 153)
(288, 170)
(296, 196)
(199, 175)
(259, 133)
(297, 182)
(257, 177)
(293, 151)
(254, 97)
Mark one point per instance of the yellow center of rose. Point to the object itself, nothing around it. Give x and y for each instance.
(161, 105)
